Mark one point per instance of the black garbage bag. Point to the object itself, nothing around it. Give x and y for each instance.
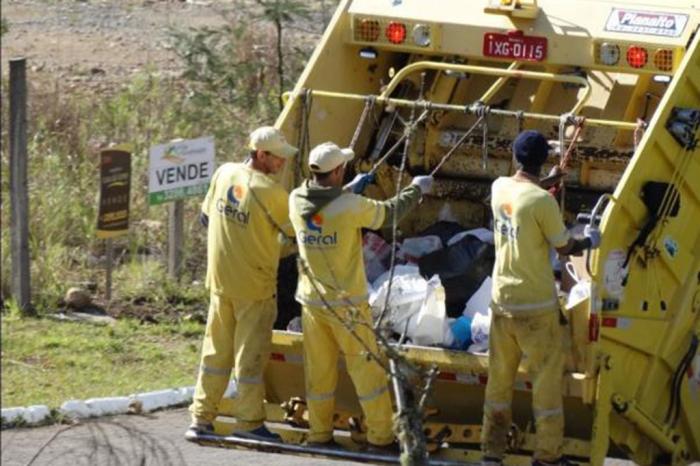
(462, 268)
(287, 307)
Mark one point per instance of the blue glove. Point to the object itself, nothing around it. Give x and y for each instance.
(593, 234)
(360, 183)
(204, 219)
(425, 183)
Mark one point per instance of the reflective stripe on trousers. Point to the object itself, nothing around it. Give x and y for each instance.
(238, 334)
(325, 338)
(536, 342)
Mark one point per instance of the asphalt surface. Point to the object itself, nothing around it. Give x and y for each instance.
(151, 440)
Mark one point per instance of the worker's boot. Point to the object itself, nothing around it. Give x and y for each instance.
(197, 429)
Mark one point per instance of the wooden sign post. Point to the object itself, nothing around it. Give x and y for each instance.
(113, 214)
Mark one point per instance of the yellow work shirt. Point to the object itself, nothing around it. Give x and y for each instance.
(330, 246)
(527, 225)
(244, 246)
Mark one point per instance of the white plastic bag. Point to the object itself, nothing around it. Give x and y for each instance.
(480, 300)
(414, 248)
(580, 291)
(408, 292)
(431, 325)
(481, 326)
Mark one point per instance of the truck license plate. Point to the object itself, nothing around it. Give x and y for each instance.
(515, 45)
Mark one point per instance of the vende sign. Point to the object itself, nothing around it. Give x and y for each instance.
(646, 22)
(180, 169)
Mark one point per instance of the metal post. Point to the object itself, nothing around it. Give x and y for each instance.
(19, 198)
(175, 238)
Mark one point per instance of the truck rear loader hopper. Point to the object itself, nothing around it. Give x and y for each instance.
(624, 94)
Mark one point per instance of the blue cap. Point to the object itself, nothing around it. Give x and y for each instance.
(531, 148)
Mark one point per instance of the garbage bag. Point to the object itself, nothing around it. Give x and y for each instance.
(480, 327)
(431, 326)
(462, 268)
(375, 252)
(287, 306)
(484, 234)
(480, 300)
(416, 306)
(412, 249)
(408, 291)
(462, 333)
(443, 230)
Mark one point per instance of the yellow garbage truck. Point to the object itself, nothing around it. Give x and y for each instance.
(443, 87)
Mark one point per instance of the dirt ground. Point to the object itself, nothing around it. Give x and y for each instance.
(99, 43)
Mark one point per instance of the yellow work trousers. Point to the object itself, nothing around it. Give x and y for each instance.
(324, 338)
(238, 336)
(536, 342)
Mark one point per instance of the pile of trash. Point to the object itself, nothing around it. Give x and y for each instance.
(441, 288)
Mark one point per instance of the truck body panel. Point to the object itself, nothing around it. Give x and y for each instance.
(633, 389)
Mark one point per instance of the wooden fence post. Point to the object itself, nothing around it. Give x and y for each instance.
(176, 220)
(19, 197)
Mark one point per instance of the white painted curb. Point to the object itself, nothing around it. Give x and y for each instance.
(96, 407)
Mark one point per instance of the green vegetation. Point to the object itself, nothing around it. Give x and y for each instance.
(49, 362)
(231, 82)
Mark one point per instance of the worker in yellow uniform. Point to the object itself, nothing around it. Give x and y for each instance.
(245, 209)
(525, 327)
(336, 318)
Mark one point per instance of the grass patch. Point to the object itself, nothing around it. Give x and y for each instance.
(49, 362)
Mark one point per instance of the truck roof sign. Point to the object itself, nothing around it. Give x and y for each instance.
(646, 22)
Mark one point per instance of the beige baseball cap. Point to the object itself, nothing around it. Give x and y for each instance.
(270, 139)
(327, 156)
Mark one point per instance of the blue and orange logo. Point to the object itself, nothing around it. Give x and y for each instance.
(235, 194)
(506, 210)
(315, 223)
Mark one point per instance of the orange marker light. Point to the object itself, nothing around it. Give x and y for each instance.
(396, 32)
(368, 30)
(637, 56)
(663, 59)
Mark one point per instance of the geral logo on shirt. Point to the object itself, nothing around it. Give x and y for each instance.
(314, 236)
(230, 206)
(503, 223)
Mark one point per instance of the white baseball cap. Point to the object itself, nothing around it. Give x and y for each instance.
(270, 139)
(327, 156)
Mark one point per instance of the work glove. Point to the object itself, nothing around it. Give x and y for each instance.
(359, 183)
(593, 234)
(204, 219)
(425, 183)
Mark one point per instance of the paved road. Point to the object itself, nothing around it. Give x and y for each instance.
(153, 440)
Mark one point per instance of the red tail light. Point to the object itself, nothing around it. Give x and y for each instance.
(396, 32)
(637, 57)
